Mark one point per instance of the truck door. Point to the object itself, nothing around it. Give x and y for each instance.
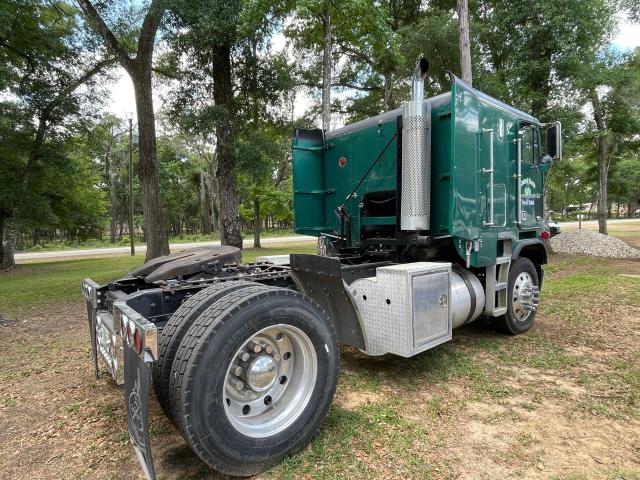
(529, 189)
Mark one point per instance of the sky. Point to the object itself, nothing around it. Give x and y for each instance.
(122, 99)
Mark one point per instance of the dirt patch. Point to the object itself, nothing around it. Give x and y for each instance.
(56, 419)
(541, 443)
(352, 400)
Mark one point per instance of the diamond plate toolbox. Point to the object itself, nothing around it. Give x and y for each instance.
(405, 308)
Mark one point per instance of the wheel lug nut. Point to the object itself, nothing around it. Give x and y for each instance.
(239, 384)
(255, 347)
(269, 349)
(236, 370)
(245, 357)
(276, 357)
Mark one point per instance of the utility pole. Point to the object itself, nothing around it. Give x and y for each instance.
(131, 232)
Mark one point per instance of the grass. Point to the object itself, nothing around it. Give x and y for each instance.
(28, 287)
(476, 407)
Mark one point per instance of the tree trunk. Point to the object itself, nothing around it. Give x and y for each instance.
(389, 98)
(463, 40)
(2, 222)
(229, 215)
(121, 229)
(11, 234)
(213, 201)
(603, 166)
(110, 181)
(257, 223)
(157, 241)
(139, 69)
(204, 207)
(326, 67)
(113, 211)
(9, 244)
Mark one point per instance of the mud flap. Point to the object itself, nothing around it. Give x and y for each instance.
(137, 380)
(321, 279)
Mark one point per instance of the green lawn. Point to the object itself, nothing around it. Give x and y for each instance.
(30, 286)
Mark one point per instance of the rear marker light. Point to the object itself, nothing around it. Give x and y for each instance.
(545, 235)
(137, 341)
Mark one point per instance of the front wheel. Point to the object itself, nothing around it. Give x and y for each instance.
(524, 297)
(259, 380)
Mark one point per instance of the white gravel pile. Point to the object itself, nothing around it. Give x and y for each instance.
(586, 242)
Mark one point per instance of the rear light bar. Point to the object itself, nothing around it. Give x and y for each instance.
(90, 291)
(137, 332)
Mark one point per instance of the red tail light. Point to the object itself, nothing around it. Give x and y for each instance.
(545, 235)
(137, 341)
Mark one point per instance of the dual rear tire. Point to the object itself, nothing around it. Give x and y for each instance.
(247, 373)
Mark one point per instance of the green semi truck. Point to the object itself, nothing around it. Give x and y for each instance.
(427, 217)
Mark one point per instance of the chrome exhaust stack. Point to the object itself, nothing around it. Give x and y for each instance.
(417, 83)
(415, 202)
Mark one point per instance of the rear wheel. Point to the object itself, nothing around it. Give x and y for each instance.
(523, 299)
(175, 330)
(258, 380)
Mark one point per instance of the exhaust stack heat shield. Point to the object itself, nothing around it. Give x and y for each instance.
(415, 202)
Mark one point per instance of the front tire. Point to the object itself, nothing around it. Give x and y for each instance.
(258, 380)
(522, 300)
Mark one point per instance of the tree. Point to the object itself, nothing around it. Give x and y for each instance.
(624, 181)
(207, 35)
(222, 41)
(47, 58)
(325, 17)
(179, 185)
(139, 68)
(465, 49)
(376, 46)
(314, 28)
(612, 85)
(263, 157)
(103, 147)
(528, 55)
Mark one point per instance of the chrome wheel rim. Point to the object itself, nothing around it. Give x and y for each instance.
(269, 381)
(525, 297)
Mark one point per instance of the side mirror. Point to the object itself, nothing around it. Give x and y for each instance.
(545, 163)
(553, 135)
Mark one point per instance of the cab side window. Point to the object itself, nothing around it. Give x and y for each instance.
(528, 144)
